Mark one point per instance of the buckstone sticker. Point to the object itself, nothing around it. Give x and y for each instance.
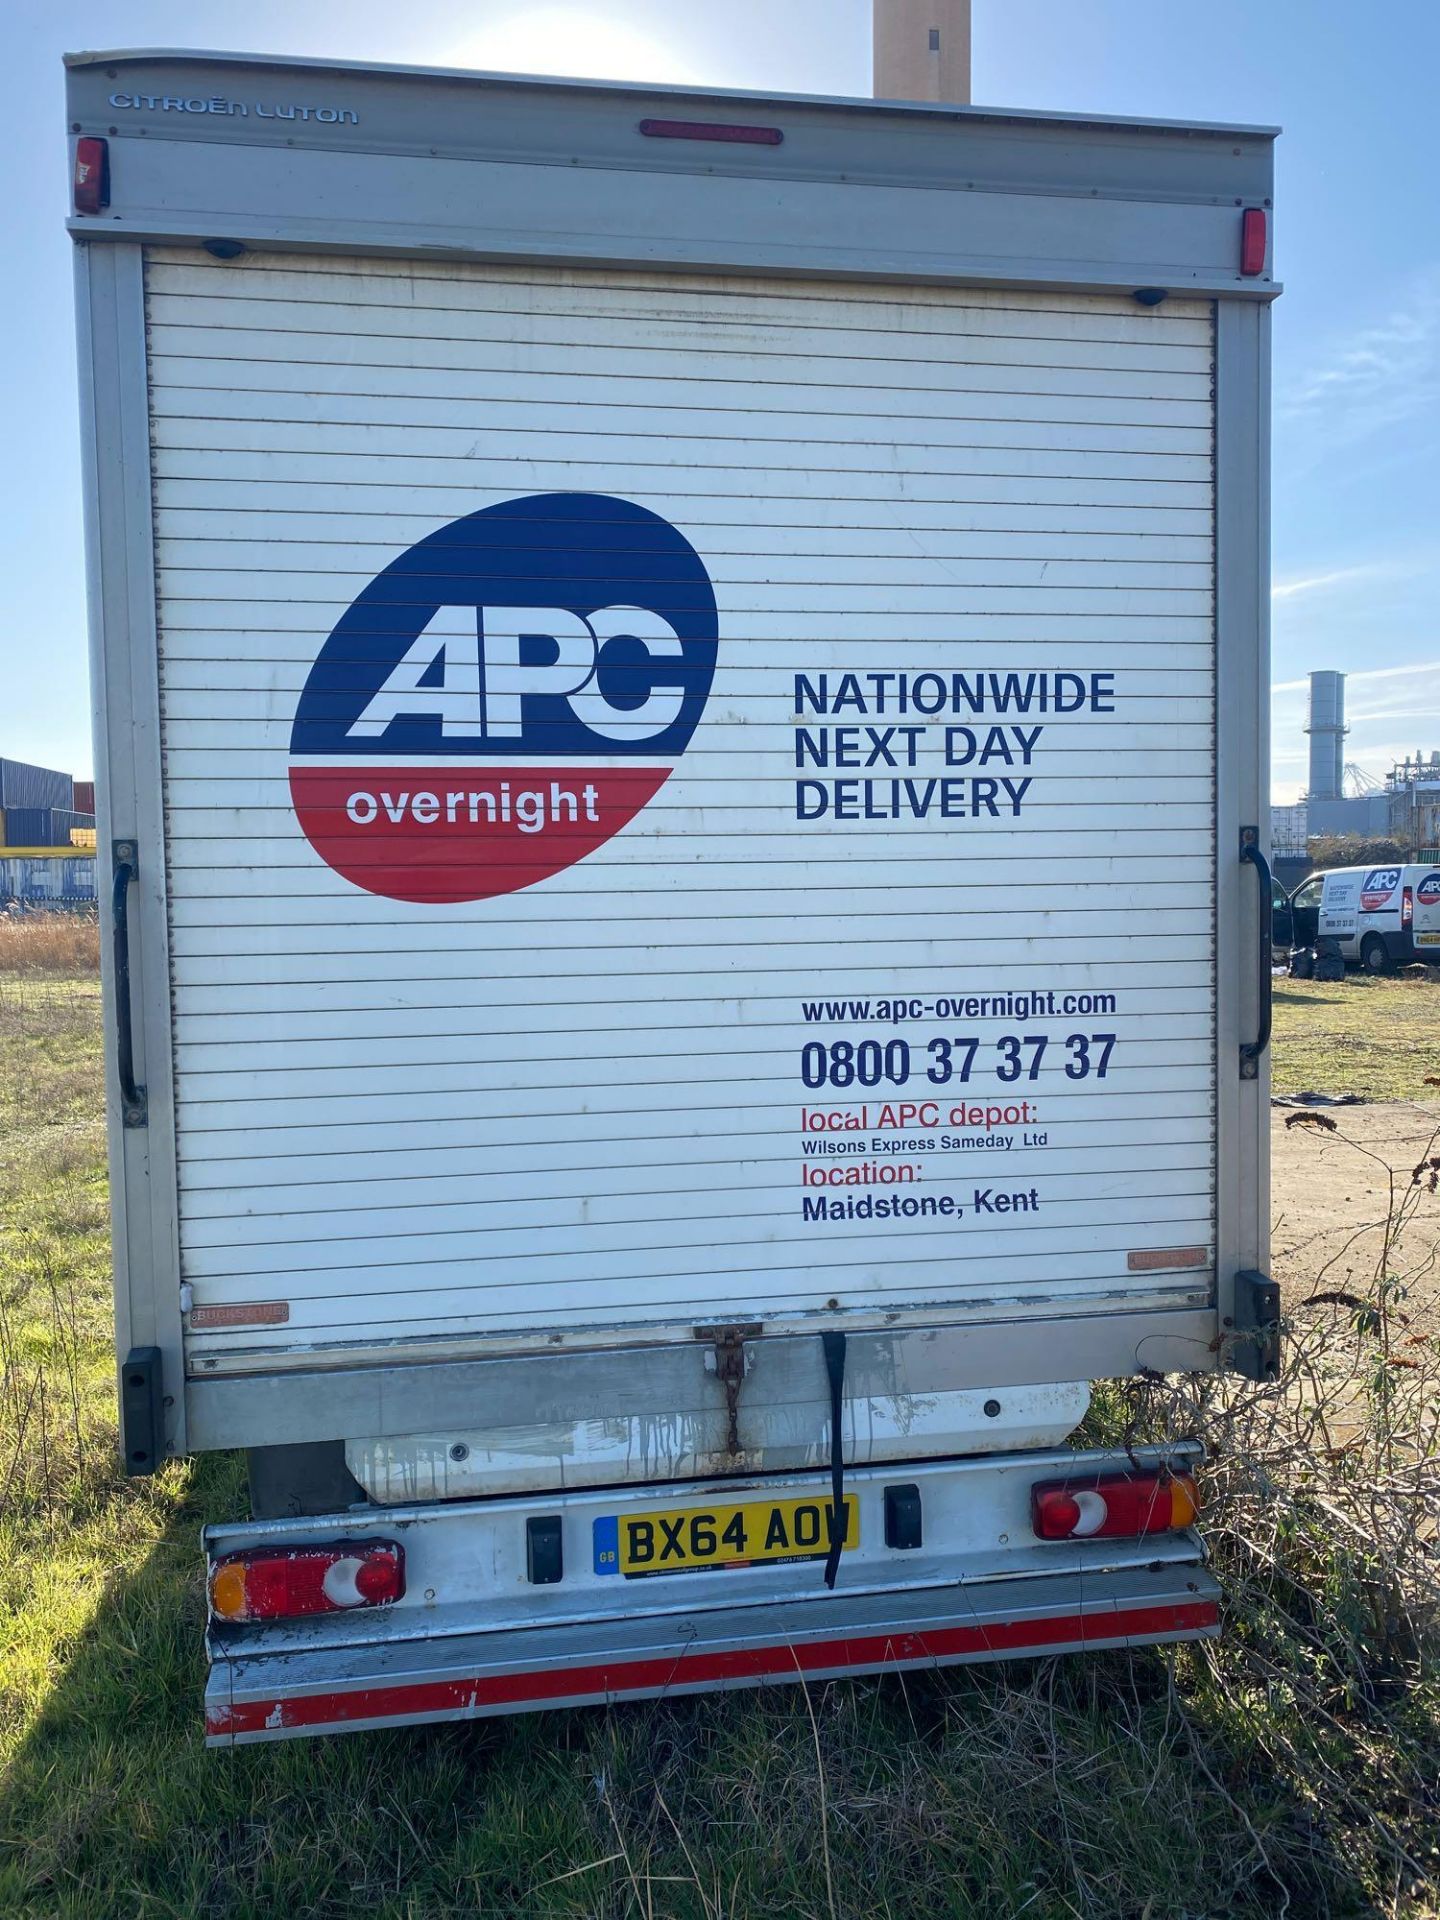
(503, 698)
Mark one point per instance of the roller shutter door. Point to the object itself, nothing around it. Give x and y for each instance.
(529, 980)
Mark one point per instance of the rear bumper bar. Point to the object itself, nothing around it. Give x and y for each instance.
(273, 1696)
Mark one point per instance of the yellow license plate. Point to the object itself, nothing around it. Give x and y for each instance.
(724, 1534)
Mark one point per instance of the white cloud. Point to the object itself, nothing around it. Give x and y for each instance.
(1312, 583)
(1370, 673)
(1380, 377)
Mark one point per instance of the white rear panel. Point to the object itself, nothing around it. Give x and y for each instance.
(608, 1099)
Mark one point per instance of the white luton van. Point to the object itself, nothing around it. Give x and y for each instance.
(680, 685)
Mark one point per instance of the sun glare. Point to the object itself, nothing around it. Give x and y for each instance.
(571, 41)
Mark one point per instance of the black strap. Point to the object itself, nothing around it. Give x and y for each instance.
(834, 1345)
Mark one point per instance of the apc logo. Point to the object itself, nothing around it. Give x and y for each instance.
(1377, 887)
(503, 698)
(1428, 891)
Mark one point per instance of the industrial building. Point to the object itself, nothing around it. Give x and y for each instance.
(1412, 799)
(1328, 809)
(47, 837)
(1406, 809)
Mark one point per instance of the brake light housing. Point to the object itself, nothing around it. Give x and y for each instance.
(90, 185)
(1407, 906)
(743, 134)
(295, 1582)
(1253, 237)
(1113, 1506)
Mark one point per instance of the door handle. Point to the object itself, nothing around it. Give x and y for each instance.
(132, 1097)
(1252, 1051)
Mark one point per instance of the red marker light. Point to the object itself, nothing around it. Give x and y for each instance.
(294, 1581)
(1114, 1506)
(711, 130)
(1407, 907)
(1252, 241)
(92, 175)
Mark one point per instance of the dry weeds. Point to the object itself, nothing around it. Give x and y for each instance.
(60, 944)
(1323, 1522)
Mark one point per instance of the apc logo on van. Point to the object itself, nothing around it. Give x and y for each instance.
(503, 698)
(1377, 887)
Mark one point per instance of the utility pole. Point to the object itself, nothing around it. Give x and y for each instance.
(922, 50)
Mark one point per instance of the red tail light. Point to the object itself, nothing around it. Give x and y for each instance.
(288, 1584)
(745, 135)
(1407, 907)
(1113, 1505)
(1252, 242)
(92, 175)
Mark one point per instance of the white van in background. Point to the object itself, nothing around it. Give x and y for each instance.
(1377, 916)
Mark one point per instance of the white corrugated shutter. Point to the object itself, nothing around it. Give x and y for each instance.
(580, 1106)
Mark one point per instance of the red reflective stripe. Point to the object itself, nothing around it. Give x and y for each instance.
(779, 1662)
(712, 130)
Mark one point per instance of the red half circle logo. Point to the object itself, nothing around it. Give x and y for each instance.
(463, 832)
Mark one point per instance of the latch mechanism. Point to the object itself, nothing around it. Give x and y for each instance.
(729, 1362)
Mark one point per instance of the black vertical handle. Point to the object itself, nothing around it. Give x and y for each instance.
(1252, 1051)
(132, 1097)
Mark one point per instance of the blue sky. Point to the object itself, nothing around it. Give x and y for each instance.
(1357, 343)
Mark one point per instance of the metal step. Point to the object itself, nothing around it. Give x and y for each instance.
(268, 1696)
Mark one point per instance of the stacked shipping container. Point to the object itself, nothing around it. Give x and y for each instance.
(61, 879)
(42, 826)
(40, 807)
(22, 785)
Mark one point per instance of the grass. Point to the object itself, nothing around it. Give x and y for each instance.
(49, 945)
(1290, 1768)
(1377, 1036)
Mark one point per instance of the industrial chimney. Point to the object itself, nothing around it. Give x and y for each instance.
(1327, 736)
(922, 50)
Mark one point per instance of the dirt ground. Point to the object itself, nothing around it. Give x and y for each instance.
(1331, 1194)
